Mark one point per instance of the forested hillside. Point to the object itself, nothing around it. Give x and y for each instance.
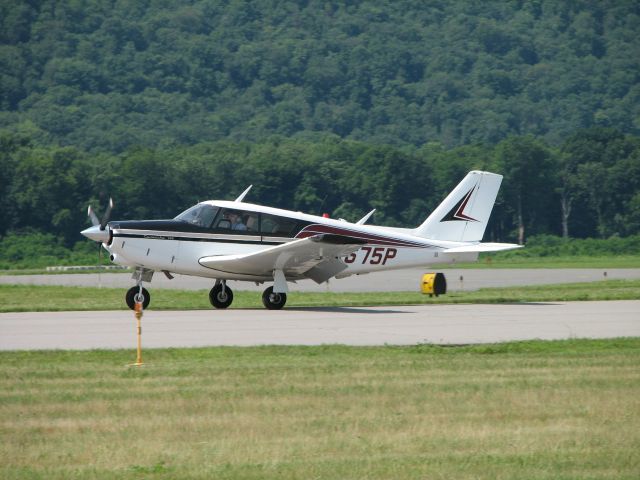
(587, 187)
(335, 107)
(109, 75)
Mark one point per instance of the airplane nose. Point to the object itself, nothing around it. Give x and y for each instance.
(94, 233)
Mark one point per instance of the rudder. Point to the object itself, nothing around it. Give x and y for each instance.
(464, 214)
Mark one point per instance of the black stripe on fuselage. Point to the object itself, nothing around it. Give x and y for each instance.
(184, 231)
(196, 239)
(179, 226)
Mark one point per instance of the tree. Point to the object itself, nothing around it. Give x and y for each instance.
(528, 182)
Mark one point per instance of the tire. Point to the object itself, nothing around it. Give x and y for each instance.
(273, 301)
(219, 299)
(130, 297)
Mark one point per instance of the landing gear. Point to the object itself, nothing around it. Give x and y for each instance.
(139, 275)
(273, 301)
(131, 297)
(220, 295)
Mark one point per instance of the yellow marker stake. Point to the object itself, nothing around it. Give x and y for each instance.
(138, 314)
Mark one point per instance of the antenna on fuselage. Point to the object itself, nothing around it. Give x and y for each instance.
(365, 218)
(243, 194)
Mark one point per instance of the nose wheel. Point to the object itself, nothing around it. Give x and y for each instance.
(220, 295)
(272, 300)
(130, 297)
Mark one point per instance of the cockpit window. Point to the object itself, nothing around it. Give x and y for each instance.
(201, 215)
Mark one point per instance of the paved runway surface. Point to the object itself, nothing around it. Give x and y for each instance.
(392, 281)
(408, 325)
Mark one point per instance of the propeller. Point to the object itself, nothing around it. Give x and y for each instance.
(105, 218)
(107, 214)
(98, 231)
(92, 215)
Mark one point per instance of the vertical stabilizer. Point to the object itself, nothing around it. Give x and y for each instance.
(464, 214)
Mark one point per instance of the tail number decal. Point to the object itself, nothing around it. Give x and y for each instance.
(374, 256)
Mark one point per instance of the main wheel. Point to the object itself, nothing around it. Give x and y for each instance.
(272, 300)
(130, 297)
(220, 298)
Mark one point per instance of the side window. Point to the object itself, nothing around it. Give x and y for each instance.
(237, 221)
(272, 225)
(252, 222)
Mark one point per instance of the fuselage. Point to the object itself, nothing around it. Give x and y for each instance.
(234, 228)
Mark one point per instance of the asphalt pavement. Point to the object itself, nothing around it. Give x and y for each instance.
(405, 325)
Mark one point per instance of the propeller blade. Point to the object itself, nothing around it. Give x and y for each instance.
(107, 214)
(92, 215)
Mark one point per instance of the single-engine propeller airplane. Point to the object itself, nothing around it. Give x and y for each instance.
(234, 240)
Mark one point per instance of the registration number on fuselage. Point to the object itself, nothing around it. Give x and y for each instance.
(373, 255)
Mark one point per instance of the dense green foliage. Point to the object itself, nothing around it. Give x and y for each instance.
(590, 184)
(40, 250)
(552, 246)
(334, 107)
(108, 75)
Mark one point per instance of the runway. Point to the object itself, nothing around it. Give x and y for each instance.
(405, 325)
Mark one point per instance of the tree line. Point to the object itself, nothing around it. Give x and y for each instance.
(106, 76)
(587, 187)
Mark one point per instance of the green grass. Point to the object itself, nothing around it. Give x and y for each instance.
(17, 298)
(531, 410)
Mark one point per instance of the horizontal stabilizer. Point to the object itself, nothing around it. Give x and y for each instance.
(483, 247)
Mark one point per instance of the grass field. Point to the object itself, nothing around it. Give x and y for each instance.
(531, 410)
(16, 298)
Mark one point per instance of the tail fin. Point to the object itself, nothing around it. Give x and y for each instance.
(464, 214)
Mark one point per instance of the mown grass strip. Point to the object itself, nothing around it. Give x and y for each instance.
(18, 298)
(544, 410)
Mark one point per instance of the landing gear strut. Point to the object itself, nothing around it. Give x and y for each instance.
(272, 300)
(220, 295)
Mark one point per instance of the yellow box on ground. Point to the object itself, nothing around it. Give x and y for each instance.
(433, 284)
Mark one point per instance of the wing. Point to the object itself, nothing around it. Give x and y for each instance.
(316, 257)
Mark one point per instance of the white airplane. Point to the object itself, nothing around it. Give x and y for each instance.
(226, 240)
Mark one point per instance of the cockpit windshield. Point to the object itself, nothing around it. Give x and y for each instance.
(201, 215)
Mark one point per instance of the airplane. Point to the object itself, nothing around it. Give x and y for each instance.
(234, 240)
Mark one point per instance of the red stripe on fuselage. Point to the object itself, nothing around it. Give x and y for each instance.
(317, 229)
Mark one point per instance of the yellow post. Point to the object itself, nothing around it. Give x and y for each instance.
(138, 314)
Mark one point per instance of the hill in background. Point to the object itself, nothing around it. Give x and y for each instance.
(109, 75)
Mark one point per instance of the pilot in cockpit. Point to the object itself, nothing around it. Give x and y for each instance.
(236, 221)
